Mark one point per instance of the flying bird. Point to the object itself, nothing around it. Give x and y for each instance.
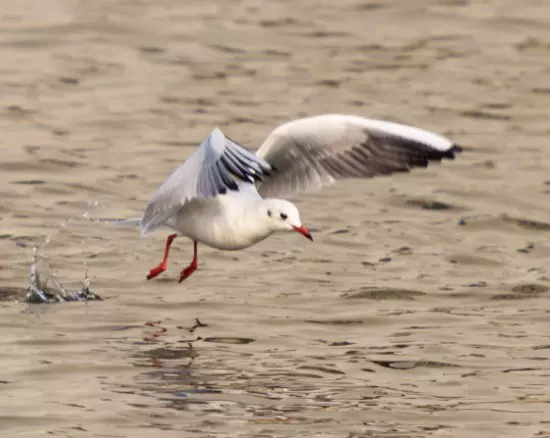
(228, 198)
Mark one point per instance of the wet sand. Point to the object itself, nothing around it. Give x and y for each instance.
(421, 309)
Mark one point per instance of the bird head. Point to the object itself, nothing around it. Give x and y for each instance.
(284, 216)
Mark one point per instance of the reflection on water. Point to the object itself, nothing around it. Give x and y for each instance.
(166, 366)
(168, 374)
(209, 382)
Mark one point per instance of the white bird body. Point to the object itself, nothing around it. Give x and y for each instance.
(216, 196)
(227, 222)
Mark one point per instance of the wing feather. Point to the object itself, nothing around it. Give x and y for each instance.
(316, 151)
(218, 165)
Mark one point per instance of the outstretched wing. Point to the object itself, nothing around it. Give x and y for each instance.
(215, 167)
(307, 154)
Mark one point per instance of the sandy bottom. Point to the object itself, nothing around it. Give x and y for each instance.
(421, 309)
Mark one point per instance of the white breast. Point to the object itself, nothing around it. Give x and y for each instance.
(226, 222)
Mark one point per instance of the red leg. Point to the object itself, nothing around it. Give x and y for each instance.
(162, 267)
(192, 267)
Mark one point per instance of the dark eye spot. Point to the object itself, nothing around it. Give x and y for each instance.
(269, 213)
(283, 216)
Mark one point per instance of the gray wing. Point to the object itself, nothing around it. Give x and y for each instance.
(309, 153)
(215, 167)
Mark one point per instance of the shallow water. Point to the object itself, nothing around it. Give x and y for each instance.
(420, 310)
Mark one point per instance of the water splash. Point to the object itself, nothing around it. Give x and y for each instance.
(39, 291)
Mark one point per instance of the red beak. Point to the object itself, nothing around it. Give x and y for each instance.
(303, 231)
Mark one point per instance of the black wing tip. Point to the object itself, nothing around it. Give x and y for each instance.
(451, 153)
(456, 148)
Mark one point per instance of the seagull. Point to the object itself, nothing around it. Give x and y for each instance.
(228, 198)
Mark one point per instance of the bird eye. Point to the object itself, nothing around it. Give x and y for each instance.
(283, 216)
(269, 213)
